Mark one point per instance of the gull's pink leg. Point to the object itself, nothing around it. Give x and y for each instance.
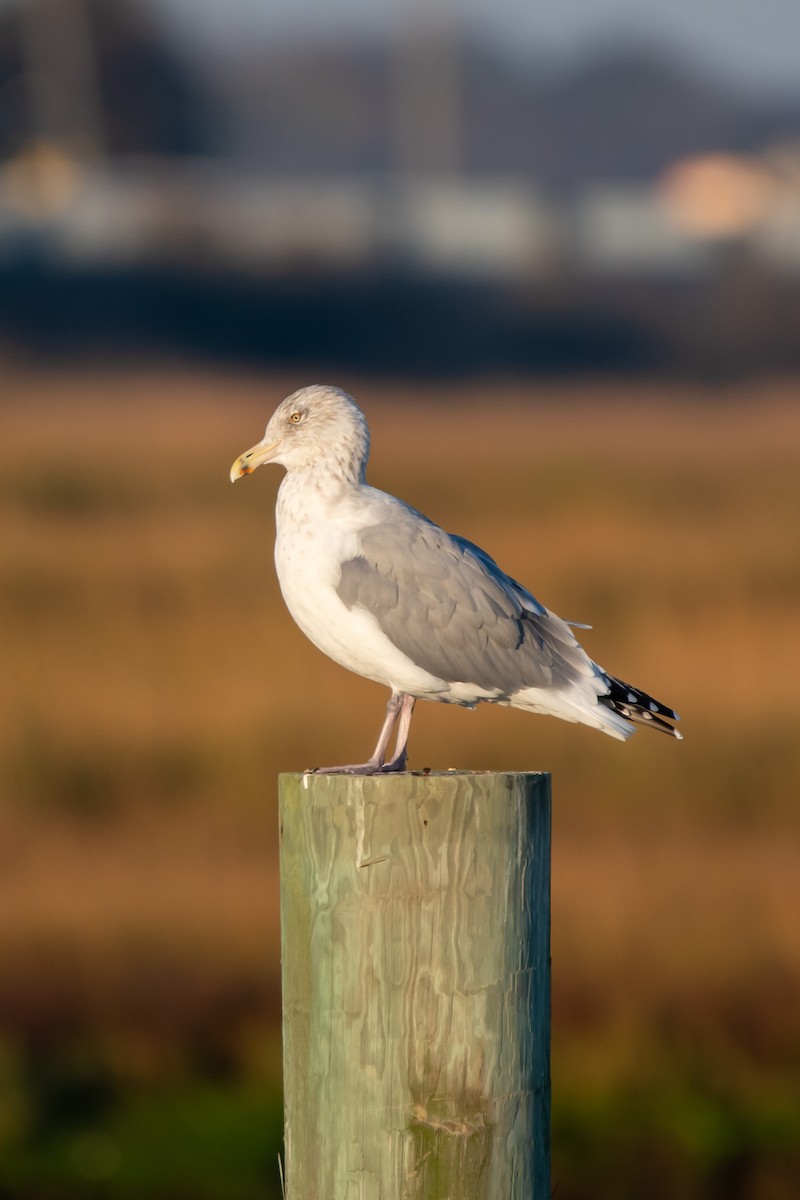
(398, 763)
(375, 764)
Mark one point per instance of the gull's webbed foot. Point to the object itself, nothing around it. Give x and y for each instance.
(368, 768)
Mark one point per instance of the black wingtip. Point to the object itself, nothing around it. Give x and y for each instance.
(640, 708)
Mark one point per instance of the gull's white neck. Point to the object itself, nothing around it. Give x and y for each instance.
(318, 484)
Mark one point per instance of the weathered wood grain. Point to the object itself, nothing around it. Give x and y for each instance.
(416, 986)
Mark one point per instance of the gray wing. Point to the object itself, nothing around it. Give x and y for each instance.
(448, 606)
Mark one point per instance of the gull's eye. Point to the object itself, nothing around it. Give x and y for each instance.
(296, 418)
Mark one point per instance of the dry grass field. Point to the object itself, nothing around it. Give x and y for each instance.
(154, 685)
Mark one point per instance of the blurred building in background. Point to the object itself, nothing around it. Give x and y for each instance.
(421, 203)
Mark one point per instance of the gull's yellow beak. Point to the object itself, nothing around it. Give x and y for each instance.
(246, 463)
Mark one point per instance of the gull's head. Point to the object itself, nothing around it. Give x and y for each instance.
(318, 427)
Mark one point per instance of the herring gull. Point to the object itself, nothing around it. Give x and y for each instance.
(388, 594)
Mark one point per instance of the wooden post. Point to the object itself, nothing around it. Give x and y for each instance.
(415, 918)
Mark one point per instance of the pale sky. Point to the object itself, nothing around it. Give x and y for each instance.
(752, 41)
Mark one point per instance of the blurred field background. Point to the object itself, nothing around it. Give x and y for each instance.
(555, 253)
(156, 686)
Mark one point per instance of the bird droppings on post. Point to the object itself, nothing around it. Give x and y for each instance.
(388, 594)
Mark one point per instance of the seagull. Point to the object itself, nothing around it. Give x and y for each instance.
(385, 592)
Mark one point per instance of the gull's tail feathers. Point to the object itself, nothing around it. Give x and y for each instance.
(635, 705)
(582, 708)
